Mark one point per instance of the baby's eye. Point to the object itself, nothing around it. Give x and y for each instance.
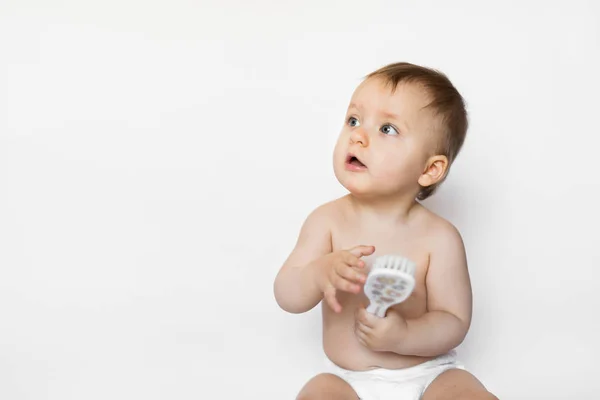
(352, 121)
(389, 130)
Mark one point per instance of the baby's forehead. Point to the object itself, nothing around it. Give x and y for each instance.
(405, 97)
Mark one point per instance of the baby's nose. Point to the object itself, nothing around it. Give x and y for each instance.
(360, 136)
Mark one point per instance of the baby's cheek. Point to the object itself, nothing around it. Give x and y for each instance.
(339, 153)
(390, 173)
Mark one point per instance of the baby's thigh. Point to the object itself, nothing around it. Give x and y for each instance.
(457, 384)
(327, 387)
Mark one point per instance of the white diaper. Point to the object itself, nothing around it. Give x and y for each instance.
(400, 384)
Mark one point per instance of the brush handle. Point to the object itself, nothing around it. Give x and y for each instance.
(377, 310)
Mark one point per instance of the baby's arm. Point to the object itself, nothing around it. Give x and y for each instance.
(449, 299)
(295, 287)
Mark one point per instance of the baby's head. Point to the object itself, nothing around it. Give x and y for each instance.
(404, 127)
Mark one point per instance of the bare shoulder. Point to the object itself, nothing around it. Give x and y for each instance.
(326, 213)
(441, 234)
(316, 229)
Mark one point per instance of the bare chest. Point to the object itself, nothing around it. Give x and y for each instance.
(405, 242)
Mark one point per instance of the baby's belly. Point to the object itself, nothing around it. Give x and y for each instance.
(342, 347)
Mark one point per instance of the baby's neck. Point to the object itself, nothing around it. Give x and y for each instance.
(394, 209)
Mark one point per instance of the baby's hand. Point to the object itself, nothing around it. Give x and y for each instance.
(380, 334)
(337, 272)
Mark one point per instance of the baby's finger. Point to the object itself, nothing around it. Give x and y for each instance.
(350, 274)
(362, 337)
(331, 300)
(363, 329)
(359, 251)
(352, 260)
(345, 285)
(364, 318)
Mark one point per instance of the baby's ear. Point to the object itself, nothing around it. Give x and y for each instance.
(434, 171)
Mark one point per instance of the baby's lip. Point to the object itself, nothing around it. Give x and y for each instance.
(352, 157)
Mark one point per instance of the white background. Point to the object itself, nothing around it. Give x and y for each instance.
(154, 154)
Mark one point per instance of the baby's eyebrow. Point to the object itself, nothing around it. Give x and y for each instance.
(354, 105)
(385, 114)
(388, 114)
(403, 121)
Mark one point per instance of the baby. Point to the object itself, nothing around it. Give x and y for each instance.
(404, 127)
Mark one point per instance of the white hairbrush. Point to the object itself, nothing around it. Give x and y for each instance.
(390, 281)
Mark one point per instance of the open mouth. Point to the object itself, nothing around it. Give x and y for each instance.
(353, 161)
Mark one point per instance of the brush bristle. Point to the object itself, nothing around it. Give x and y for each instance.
(395, 262)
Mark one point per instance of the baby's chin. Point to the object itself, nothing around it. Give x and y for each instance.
(355, 186)
(365, 187)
